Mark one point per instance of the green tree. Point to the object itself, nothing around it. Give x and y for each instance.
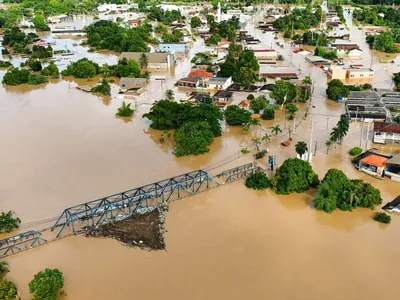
(82, 68)
(276, 130)
(16, 76)
(103, 88)
(40, 23)
(292, 108)
(8, 291)
(258, 104)
(382, 217)
(164, 115)
(36, 66)
(143, 61)
(195, 22)
(294, 175)
(336, 88)
(258, 181)
(47, 285)
(325, 199)
(8, 222)
(50, 70)
(283, 92)
(210, 19)
(169, 95)
(214, 39)
(3, 268)
(268, 114)
(125, 110)
(355, 151)
(234, 115)
(126, 68)
(193, 138)
(301, 148)
(202, 58)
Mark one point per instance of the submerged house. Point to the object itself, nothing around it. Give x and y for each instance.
(373, 164)
(393, 168)
(386, 133)
(393, 205)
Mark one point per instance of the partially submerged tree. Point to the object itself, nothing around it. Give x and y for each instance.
(103, 88)
(8, 291)
(258, 181)
(301, 148)
(193, 138)
(47, 285)
(234, 115)
(276, 130)
(8, 222)
(169, 95)
(125, 110)
(294, 175)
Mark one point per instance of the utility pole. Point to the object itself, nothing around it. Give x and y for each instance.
(327, 124)
(366, 139)
(362, 133)
(315, 150)
(311, 134)
(356, 114)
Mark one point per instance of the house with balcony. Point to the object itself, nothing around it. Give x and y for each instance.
(386, 133)
(219, 83)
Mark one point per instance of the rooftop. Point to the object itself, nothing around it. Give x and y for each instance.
(132, 82)
(394, 160)
(361, 70)
(152, 57)
(200, 73)
(218, 79)
(374, 160)
(363, 95)
(386, 127)
(314, 58)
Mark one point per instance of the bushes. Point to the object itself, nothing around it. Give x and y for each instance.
(50, 70)
(234, 115)
(82, 68)
(5, 64)
(382, 217)
(125, 110)
(193, 138)
(337, 191)
(8, 291)
(258, 104)
(355, 151)
(35, 66)
(268, 114)
(16, 76)
(295, 175)
(337, 88)
(47, 285)
(102, 88)
(8, 223)
(258, 181)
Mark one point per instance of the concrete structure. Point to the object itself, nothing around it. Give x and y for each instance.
(219, 83)
(337, 72)
(174, 47)
(344, 46)
(115, 7)
(58, 19)
(386, 133)
(156, 61)
(354, 54)
(362, 73)
(318, 61)
(265, 53)
(393, 205)
(193, 82)
(393, 169)
(127, 83)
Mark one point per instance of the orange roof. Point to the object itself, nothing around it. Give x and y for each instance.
(244, 103)
(256, 116)
(200, 73)
(374, 160)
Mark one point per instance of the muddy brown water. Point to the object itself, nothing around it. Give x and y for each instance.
(61, 147)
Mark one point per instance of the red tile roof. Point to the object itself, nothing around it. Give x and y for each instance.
(200, 73)
(374, 160)
(386, 127)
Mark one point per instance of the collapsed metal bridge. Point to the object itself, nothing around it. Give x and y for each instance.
(98, 211)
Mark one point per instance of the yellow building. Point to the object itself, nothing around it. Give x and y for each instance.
(337, 72)
(361, 73)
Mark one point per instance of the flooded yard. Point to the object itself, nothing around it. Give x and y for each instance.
(61, 147)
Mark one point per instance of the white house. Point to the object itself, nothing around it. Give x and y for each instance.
(265, 53)
(219, 83)
(354, 54)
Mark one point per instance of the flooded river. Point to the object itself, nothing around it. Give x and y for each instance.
(62, 147)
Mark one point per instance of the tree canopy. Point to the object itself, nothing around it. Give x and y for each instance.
(50, 70)
(82, 68)
(258, 181)
(241, 64)
(193, 138)
(294, 175)
(47, 285)
(235, 115)
(283, 92)
(16, 76)
(337, 191)
(8, 291)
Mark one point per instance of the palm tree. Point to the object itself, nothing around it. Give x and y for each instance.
(276, 129)
(328, 145)
(301, 148)
(266, 138)
(169, 95)
(257, 143)
(307, 81)
(125, 110)
(245, 129)
(144, 61)
(3, 267)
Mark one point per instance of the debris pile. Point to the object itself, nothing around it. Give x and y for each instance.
(143, 229)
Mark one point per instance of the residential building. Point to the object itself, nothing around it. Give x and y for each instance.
(290, 75)
(127, 83)
(337, 72)
(386, 133)
(318, 61)
(393, 205)
(219, 83)
(354, 54)
(344, 46)
(265, 53)
(362, 73)
(393, 169)
(58, 19)
(203, 74)
(187, 82)
(156, 61)
(373, 164)
(174, 47)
